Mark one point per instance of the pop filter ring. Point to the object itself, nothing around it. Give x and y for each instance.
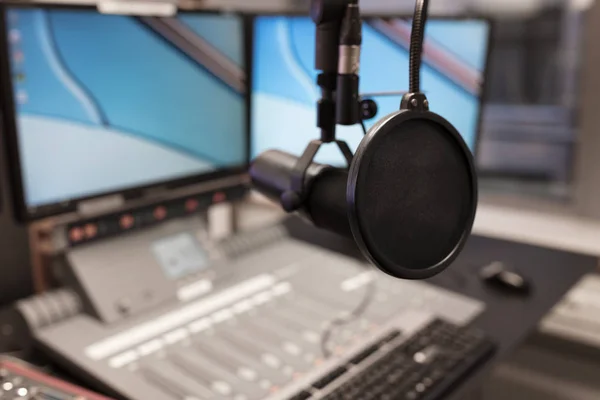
(364, 153)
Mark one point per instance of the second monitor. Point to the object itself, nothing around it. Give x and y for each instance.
(284, 89)
(101, 104)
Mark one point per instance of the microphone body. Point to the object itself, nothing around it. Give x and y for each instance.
(324, 189)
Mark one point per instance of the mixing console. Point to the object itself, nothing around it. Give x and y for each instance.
(252, 327)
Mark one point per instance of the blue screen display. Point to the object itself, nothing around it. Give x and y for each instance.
(106, 103)
(285, 93)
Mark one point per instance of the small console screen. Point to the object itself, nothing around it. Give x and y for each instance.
(180, 255)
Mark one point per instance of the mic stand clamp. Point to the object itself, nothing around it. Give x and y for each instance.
(368, 109)
(326, 118)
(328, 16)
(414, 102)
(293, 199)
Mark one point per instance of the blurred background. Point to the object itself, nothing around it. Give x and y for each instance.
(538, 157)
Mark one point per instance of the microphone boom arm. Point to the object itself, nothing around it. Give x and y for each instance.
(329, 16)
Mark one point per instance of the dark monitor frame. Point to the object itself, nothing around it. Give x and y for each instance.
(25, 214)
(484, 90)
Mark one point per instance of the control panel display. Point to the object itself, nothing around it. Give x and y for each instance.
(180, 255)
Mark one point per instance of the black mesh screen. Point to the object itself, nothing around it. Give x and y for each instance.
(414, 195)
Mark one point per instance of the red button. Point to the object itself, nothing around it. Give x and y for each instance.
(219, 197)
(126, 221)
(76, 234)
(191, 205)
(160, 213)
(91, 230)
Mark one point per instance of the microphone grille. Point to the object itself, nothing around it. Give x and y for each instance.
(414, 194)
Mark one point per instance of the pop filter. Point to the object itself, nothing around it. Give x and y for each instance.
(412, 194)
(408, 200)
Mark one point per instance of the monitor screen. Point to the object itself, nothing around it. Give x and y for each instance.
(284, 86)
(106, 103)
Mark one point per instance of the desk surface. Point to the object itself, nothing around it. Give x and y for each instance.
(554, 228)
(508, 319)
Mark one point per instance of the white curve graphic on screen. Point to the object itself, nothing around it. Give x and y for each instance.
(285, 44)
(63, 76)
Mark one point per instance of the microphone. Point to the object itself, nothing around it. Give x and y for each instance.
(408, 200)
(325, 189)
(348, 107)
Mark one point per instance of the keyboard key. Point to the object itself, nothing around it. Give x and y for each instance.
(304, 395)
(330, 377)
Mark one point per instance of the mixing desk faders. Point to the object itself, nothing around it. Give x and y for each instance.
(252, 328)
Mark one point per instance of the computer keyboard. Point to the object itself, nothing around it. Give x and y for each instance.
(421, 368)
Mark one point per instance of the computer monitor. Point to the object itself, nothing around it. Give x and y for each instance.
(284, 90)
(101, 104)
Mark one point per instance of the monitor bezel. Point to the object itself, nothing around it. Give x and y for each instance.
(25, 214)
(483, 98)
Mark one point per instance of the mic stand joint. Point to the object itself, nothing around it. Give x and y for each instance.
(414, 102)
(328, 16)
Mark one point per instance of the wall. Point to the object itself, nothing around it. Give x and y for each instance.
(588, 150)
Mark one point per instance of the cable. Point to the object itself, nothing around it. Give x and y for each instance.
(364, 127)
(365, 302)
(416, 45)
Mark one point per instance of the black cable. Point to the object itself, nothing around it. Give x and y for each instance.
(364, 127)
(369, 295)
(416, 45)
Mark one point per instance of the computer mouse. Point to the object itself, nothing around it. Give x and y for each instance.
(497, 274)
